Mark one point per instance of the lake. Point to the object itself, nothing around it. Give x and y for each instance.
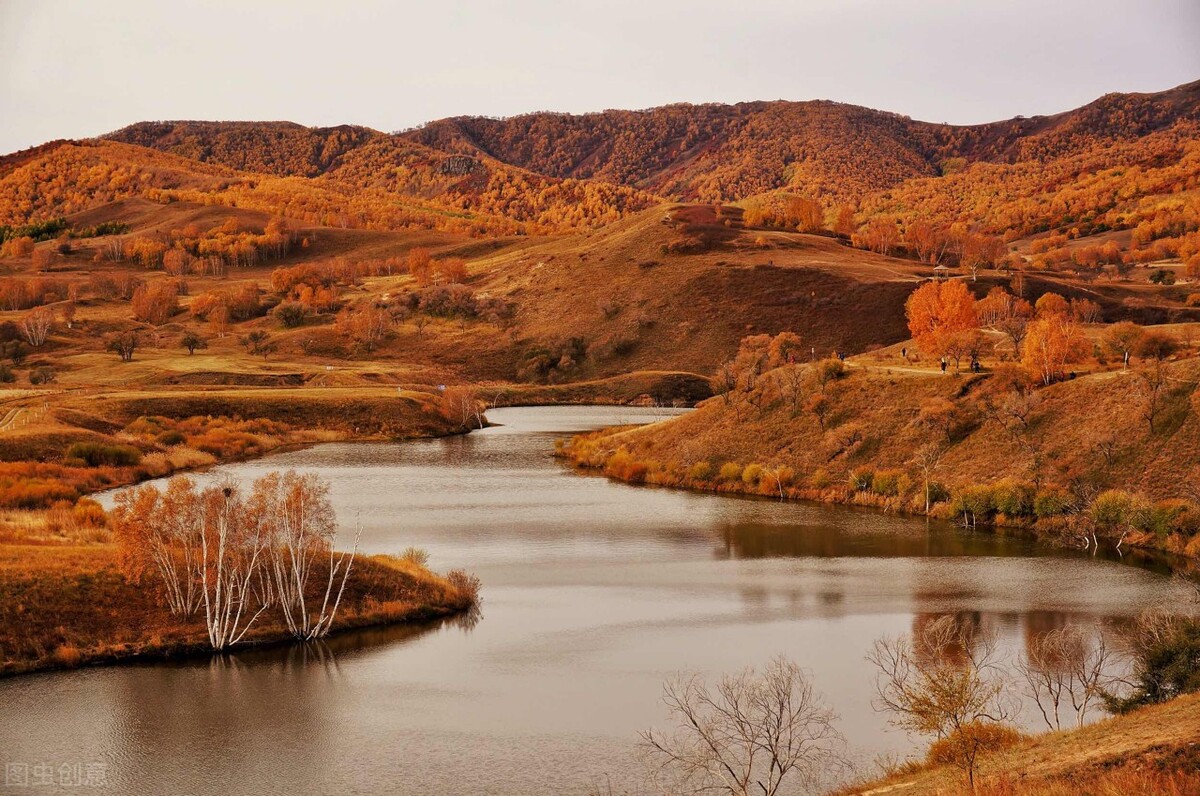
(594, 592)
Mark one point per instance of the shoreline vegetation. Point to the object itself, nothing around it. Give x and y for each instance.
(1098, 459)
(583, 452)
(90, 616)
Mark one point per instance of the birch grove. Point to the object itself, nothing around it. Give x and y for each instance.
(230, 557)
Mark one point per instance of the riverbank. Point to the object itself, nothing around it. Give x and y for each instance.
(1073, 463)
(1151, 750)
(66, 606)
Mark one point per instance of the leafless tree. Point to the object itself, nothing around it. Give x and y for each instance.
(36, 326)
(794, 378)
(945, 682)
(1066, 668)
(464, 406)
(298, 520)
(928, 460)
(231, 551)
(748, 734)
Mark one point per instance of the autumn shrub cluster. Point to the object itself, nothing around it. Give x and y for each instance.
(36, 485)
(22, 293)
(220, 437)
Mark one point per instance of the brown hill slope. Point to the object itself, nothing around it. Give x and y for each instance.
(285, 149)
(1152, 750)
(676, 288)
(729, 152)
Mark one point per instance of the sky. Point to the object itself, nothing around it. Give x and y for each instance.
(79, 68)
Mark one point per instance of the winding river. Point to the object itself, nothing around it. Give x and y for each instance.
(594, 591)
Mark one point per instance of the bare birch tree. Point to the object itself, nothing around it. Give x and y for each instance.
(232, 548)
(300, 526)
(1066, 671)
(747, 735)
(928, 460)
(36, 326)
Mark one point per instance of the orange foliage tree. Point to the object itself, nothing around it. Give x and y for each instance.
(941, 316)
(1052, 342)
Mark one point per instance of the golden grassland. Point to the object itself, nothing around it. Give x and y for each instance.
(1153, 750)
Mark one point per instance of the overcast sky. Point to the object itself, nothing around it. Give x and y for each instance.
(73, 69)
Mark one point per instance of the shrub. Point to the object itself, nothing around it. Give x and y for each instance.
(622, 465)
(155, 465)
(1013, 498)
(465, 584)
(730, 472)
(67, 655)
(820, 479)
(415, 555)
(6, 374)
(1114, 509)
(700, 471)
(886, 483)
(974, 502)
(861, 479)
(291, 314)
(88, 512)
(980, 737)
(99, 454)
(752, 474)
(938, 492)
(42, 375)
(1166, 661)
(1186, 520)
(830, 369)
(1051, 502)
(171, 437)
(1162, 519)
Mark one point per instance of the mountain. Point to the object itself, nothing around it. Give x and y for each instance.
(827, 149)
(1123, 162)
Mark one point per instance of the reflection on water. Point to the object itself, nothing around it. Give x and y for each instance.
(594, 592)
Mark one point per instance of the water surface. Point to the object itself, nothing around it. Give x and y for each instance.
(594, 591)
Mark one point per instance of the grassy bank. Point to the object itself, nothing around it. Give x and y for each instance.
(64, 606)
(1153, 750)
(1077, 461)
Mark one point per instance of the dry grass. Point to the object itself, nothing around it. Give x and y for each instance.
(1154, 750)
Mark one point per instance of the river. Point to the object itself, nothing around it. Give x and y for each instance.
(594, 592)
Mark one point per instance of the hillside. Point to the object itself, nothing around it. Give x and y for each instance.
(996, 448)
(350, 159)
(824, 149)
(1106, 165)
(1152, 750)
